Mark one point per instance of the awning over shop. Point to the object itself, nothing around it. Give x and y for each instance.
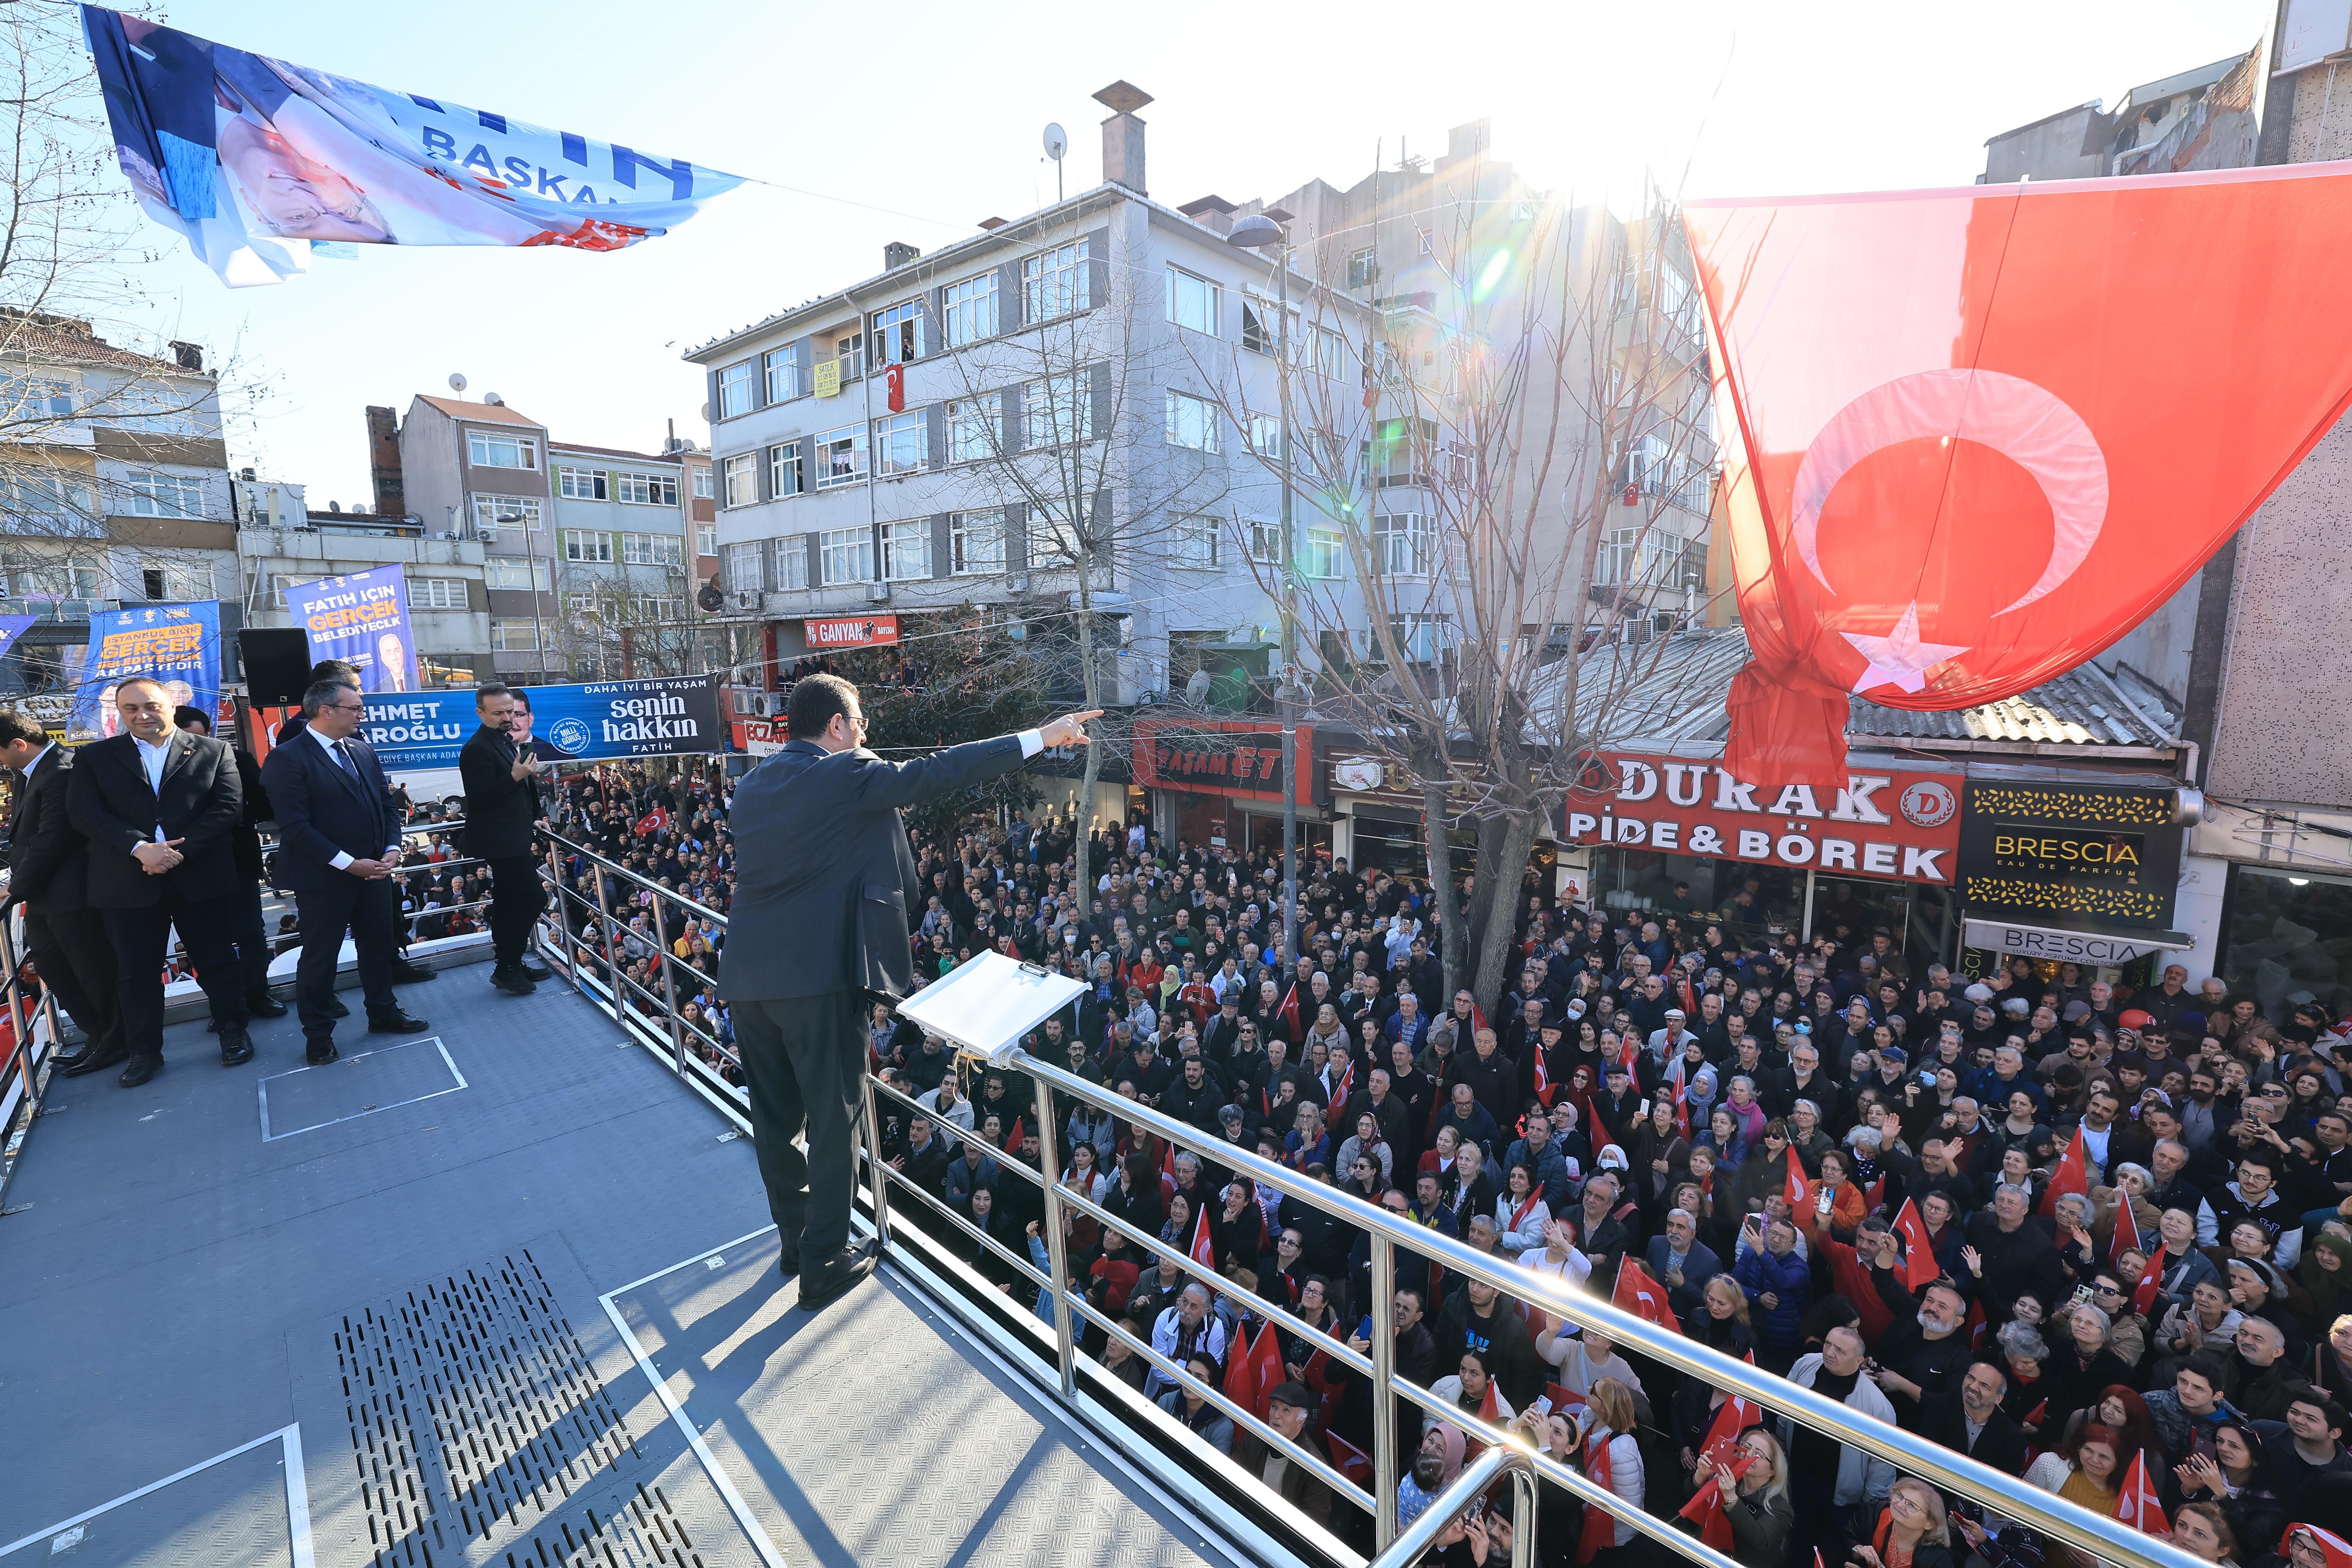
(2104, 948)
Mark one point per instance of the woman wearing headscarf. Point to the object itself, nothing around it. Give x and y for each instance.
(1434, 1465)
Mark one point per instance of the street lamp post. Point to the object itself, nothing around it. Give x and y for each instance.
(1259, 231)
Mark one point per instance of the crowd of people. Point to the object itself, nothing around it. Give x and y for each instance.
(2097, 1238)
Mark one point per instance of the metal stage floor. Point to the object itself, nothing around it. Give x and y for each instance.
(409, 1314)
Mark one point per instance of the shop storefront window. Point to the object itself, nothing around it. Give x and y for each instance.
(2289, 940)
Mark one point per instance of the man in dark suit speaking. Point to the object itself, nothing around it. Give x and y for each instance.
(818, 930)
(158, 806)
(338, 841)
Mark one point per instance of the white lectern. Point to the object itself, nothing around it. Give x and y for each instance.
(988, 1006)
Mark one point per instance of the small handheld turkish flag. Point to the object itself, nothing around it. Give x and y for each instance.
(2151, 1282)
(1204, 1250)
(2137, 1506)
(2073, 1175)
(2126, 1235)
(1919, 1265)
(1643, 1296)
(1798, 1192)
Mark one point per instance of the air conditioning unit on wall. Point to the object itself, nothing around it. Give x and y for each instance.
(743, 601)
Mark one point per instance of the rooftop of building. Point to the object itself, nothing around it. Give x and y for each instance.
(50, 338)
(480, 412)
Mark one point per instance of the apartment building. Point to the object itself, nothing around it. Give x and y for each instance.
(113, 484)
(626, 549)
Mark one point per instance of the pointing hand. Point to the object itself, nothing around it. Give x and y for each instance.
(1070, 729)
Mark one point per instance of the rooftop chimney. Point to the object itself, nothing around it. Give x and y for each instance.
(897, 254)
(189, 356)
(384, 462)
(1123, 135)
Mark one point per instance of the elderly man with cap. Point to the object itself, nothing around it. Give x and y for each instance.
(1666, 1042)
(1617, 1103)
(1289, 1411)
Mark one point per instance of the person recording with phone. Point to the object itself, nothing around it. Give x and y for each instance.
(501, 787)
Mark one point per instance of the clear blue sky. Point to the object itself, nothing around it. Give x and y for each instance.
(934, 111)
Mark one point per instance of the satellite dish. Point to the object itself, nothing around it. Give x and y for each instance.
(710, 597)
(494, 399)
(705, 413)
(456, 383)
(1057, 141)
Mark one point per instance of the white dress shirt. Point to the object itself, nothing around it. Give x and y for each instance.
(152, 758)
(336, 754)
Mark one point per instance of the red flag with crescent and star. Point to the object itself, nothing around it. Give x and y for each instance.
(2073, 1175)
(1943, 477)
(2137, 1507)
(1641, 1295)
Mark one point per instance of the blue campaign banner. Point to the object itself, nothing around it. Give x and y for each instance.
(594, 723)
(11, 628)
(178, 644)
(361, 620)
(256, 159)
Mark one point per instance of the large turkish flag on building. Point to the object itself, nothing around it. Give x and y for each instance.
(1971, 437)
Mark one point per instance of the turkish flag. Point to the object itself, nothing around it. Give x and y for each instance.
(1338, 1110)
(2336, 1550)
(1265, 1367)
(1241, 1379)
(1681, 1109)
(895, 378)
(1797, 1191)
(1204, 1250)
(1558, 1400)
(1641, 1295)
(2137, 1506)
(2072, 1173)
(1919, 1265)
(1348, 1459)
(2151, 1282)
(1946, 478)
(2127, 1233)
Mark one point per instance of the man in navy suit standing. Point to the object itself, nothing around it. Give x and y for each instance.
(338, 841)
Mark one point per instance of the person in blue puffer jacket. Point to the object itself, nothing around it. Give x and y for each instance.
(1778, 1283)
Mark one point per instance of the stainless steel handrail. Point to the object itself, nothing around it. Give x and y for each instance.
(2006, 1495)
(1417, 1538)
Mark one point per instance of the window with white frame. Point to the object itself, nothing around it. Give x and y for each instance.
(1266, 435)
(1332, 355)
(31, 578)
(742, 479)
(580, 484)
(784, 476)
(902, 443)
(652, 609)
(514, 636)
(907, 549)
(38, 397)
(1261, 324)
(1423, 638)
(970, 307)
(486, 450)
(1191, 422)
(646, 489)
(174, 583)
(841, 458)
(494, 512)
(791, 559)
(1403, 544)
(1193, 301)
(735, 389)
(164, 495)
(1193, 543)
(1053, 541)
(849, 353)
(897, 333)
(1057, 409)
(702, 481)
(972, 429)
(784, 371)
(743, 567)
(845, 554)
(652, 550)
(975, 543)
(1363, 268)
(1264, 539)
(1054, 283)
(507, 571)
(52, 504)
(706, 539)
(1323, 553)
(581, 545)
(436, 594)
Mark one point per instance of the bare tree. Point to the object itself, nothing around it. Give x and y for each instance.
(1480, 513)
(624, 619)
(1064, 425)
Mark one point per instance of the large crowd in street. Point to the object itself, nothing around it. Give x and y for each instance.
(2093, 1236)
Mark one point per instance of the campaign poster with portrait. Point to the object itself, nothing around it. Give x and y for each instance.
(178, 644)
(361, 620)
(669, 716)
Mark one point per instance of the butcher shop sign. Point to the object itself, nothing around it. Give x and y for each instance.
(1902, 826)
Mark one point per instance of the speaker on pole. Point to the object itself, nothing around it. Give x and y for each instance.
(277, 665)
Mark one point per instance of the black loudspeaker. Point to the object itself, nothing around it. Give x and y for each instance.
(277, 665)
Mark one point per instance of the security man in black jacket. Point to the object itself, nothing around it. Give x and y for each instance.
(501, 811)
(49, 873)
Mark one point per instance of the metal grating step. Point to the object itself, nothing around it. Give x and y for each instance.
(482, 1434)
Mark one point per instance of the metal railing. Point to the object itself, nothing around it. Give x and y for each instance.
(2000, 1494)
(33, 1036)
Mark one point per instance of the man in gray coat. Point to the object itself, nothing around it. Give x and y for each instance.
(817, 934)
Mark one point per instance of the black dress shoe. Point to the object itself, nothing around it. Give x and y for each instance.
(396, 1023)
(405, 973)
(788, 1261)
(95, 1059)
(513, 982)
(64, 1061)
(264, 1006)
(321, 1052)
(530, 971)
(236, 1046)
(141, 1069)
(827, 1282)
(336, 1009)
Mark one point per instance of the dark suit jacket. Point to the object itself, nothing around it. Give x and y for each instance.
(1689, 1298)
(322, 809)
(201, 803)
(825, 877)
(2001, 1444)
(500, 807)
(245, 840)
(48, 863)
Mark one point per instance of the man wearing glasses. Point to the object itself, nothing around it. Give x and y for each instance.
(338, 845)
(158, 806)
(819, 934)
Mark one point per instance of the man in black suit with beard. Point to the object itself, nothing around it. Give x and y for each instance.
(49, 873)
(339, 839)
(158, 806)
(819, 933)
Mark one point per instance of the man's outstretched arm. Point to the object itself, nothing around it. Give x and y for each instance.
(943, 772)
